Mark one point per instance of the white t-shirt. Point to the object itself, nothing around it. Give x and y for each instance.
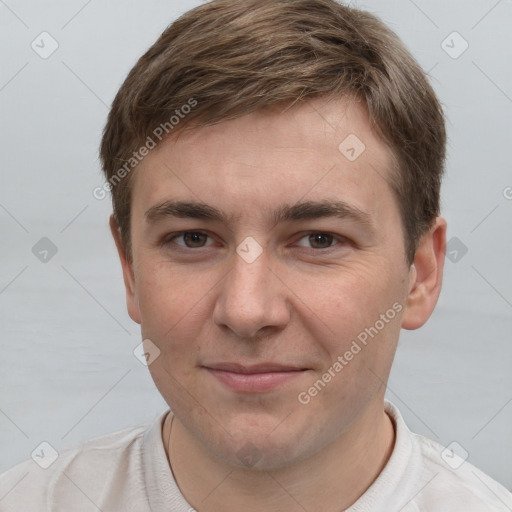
(128, 471)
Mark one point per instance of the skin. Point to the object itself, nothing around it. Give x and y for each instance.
(301, 302)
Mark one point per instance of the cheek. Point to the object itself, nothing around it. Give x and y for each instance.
(347, 300)
(170, 303)
(166, 295)
(357, 318)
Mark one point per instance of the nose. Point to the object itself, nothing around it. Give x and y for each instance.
(252, 298)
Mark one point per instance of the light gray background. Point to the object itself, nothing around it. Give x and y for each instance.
(67, 371)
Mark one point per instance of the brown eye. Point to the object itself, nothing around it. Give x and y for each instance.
(192, 239)
(321, 240)
(318, 240)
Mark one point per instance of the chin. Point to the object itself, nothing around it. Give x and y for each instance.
(265, 456)
(263, 449)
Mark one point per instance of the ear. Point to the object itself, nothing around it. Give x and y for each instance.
(132, 302)
(425, 276)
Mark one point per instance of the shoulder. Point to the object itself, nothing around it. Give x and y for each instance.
(52, 478)
(425, 475)
(455, 484)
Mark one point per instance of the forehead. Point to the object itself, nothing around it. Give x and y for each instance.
(314, 150)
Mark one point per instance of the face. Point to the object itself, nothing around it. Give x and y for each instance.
(275, 308)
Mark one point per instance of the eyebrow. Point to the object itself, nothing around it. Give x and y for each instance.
(307, 210)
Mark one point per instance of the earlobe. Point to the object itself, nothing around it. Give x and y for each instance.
(425, 276)
(132, 302)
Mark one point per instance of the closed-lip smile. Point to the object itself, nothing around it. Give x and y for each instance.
(255, 378)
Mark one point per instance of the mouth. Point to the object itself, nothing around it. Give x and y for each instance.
(255, 378)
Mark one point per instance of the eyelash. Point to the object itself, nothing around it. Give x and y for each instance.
(170, 239)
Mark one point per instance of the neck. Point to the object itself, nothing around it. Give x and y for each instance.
(331, 480)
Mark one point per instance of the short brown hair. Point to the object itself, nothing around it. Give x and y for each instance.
(234, 57)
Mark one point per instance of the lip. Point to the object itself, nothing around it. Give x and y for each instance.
(255, 378)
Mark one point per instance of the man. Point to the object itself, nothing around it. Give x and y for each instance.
(275, 169)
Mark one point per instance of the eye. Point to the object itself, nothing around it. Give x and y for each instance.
(320, 240)
(197, 239)
(192, 239)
